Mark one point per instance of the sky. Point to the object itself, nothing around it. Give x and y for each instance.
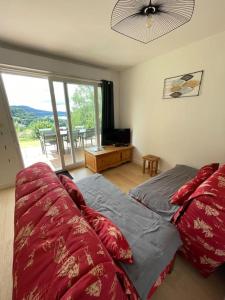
(33, 92)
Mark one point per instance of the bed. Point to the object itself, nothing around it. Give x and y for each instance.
(153, 240)
(199, 221)
(156, 193)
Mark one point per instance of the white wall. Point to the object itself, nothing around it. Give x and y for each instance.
(187, 130)
(22, 59)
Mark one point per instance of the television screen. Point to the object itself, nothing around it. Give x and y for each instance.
(116, 137)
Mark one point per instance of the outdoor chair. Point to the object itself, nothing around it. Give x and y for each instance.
(89, 135)
(47, 138)
(76, 137)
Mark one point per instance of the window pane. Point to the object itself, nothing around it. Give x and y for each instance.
(81, 99)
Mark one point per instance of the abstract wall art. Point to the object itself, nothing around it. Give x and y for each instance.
(187, 85)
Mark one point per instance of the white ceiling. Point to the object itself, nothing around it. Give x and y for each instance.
(80, 30)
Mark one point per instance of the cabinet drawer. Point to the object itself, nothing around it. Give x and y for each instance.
(126, 155)
(109, 160)
(113, 158)
(99, 164)
(90, 161)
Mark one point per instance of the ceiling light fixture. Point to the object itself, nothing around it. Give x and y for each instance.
(149, 11)
(145, 20)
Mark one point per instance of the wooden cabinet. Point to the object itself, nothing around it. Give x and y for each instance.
(126, 155)
(107, 158)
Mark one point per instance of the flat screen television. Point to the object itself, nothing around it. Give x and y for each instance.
(117, 137)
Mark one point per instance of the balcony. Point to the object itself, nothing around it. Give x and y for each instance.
(45, 149)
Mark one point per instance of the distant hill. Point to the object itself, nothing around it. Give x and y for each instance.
(22, 111)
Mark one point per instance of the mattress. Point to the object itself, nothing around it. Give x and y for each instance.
(153, 240)
(157, 192)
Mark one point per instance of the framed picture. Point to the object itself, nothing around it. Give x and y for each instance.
(187, 85)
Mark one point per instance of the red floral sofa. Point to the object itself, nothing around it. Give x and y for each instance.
(201, 224)
(57, 255)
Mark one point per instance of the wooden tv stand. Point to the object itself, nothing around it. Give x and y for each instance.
(108, 157)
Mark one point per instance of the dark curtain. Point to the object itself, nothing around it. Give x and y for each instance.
(107, 106)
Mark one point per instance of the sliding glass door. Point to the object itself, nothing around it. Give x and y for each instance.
(82, 112)
(62, 119)
(81, 103)
(54, 119)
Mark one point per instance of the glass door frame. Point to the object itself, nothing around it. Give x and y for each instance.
(52, 78)
(65, 81)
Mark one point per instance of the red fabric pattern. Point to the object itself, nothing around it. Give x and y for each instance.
(161, 278)
(73, 190)
(186, 190)
(109, 234)
(201, 224)
(57, 255)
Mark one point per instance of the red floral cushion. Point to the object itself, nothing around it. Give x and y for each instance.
(109, 234)
(186, 190)
(72, 190)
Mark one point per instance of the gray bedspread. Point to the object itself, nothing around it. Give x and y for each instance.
(157, 192)
(153, 240)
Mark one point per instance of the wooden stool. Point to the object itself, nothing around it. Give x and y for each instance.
(153, 163)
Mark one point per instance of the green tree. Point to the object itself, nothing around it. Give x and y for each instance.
(82, 108)
(40, 124)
